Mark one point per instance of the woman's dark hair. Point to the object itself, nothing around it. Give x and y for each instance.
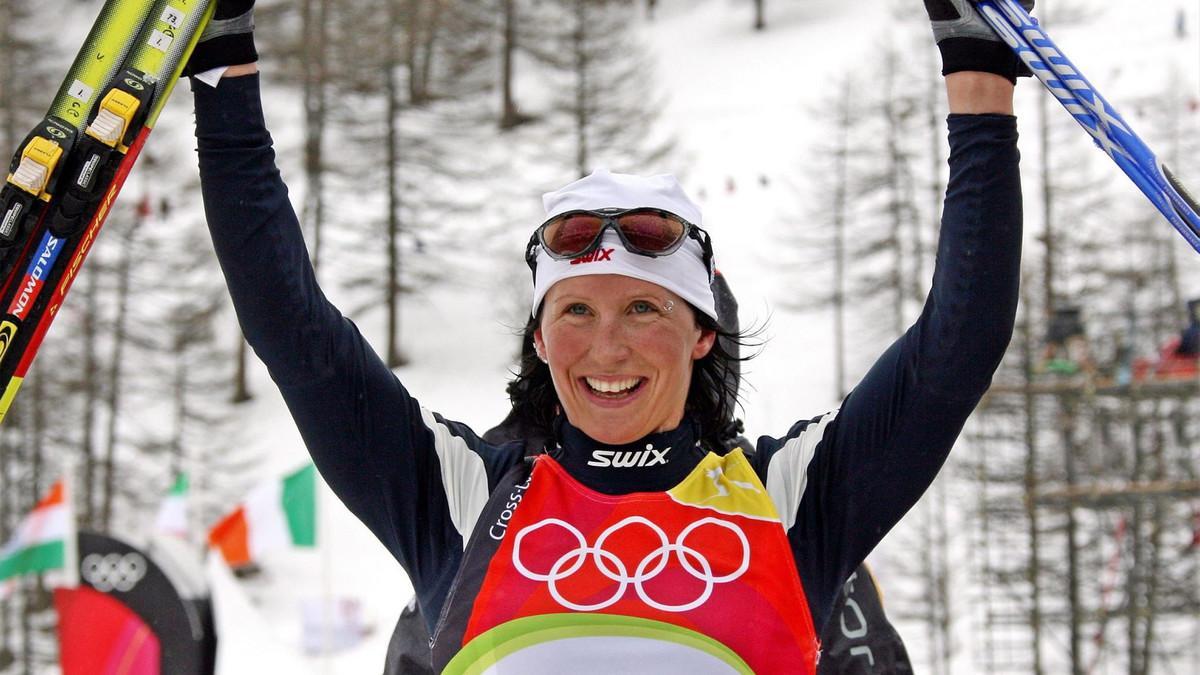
(712, 395)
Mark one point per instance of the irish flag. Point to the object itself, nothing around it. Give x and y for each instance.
(275, 514)
(44, 542)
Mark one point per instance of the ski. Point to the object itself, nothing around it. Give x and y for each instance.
(41, 159)
(1103, 123)
(103, 156)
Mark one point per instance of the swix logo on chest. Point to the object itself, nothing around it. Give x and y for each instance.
(595, 256)
(627, 458)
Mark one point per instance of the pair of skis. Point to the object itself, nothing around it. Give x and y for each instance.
(1101, 121)
(68, 171)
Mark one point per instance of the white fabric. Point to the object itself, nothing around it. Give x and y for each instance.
(172, 517)
(683, 272)
(603, 189)
(43, 525)
(212, 77)
(464, 477)
(787, 472)
(265, 519)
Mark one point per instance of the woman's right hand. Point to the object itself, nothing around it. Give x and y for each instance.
(228, 40)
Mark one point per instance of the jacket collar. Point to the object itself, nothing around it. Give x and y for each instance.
(655, 463)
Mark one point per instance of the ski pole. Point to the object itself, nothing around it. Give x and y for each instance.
(1094, 113)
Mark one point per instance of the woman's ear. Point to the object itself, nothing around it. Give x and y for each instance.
(539, 345)
(704, 345)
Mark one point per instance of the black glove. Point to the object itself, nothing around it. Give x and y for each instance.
(967, 42)
(228, 40)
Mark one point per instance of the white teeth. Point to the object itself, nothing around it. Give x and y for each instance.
(614, 386)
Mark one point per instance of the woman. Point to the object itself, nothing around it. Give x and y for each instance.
(631, 544)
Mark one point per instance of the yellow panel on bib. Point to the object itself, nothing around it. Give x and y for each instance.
(726, 484)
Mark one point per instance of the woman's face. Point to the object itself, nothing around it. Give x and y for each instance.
(620, 352)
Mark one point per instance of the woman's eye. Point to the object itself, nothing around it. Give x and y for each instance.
(642, 307)
(577, 309)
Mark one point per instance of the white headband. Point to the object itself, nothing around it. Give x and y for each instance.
(683, 272)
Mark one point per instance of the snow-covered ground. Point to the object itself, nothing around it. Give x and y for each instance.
(738, 102)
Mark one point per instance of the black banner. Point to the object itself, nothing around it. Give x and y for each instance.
(182, 628)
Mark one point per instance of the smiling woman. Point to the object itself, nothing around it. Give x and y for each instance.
(622, 532)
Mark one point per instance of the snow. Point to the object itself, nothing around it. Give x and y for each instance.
(738, 100)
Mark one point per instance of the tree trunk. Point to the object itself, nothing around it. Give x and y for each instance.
(760, 15)
(179, 397)
(935, 126)
(87, 443)
(945, 624)
(6, 493)
(34, 432)
(420, 33)
(896, 197)
(392, 289)
(1151, 586)
(1075, 608)
(316, 54)
(241, 385)
(119, 338)
(8, 66)
(1031, 484)
(428, 42)
(1133, 584)
(1049, 243)
(25, 592)
(509, 116)
(582, 159)
(929, 574)
(840, 203)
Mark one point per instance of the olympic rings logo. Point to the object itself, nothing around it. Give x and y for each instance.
(614, 569)
(113, 571)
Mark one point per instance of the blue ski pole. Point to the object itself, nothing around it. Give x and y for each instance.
(1102, 122)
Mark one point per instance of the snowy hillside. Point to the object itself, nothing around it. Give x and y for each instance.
(741, 104)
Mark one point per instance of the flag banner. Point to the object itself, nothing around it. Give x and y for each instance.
(172, 515)
(44, 542)
(128, 617)
(276, 514)
(100, 636)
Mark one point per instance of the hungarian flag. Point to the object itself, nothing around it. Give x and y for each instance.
(172, 516)
(44, 542)
(275, 514)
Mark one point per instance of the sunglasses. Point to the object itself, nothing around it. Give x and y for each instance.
(642, 231)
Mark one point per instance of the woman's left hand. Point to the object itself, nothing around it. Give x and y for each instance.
(968, 43)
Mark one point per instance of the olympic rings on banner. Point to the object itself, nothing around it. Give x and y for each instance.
(613, 568)
(113, 571)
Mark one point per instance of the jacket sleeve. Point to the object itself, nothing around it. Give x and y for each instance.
(417, 480)
(842, 480)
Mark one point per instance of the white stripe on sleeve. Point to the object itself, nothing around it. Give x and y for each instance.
(464, 476)
(787, 472)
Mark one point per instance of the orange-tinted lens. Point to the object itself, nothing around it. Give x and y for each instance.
(651, 232)
(571, 235)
